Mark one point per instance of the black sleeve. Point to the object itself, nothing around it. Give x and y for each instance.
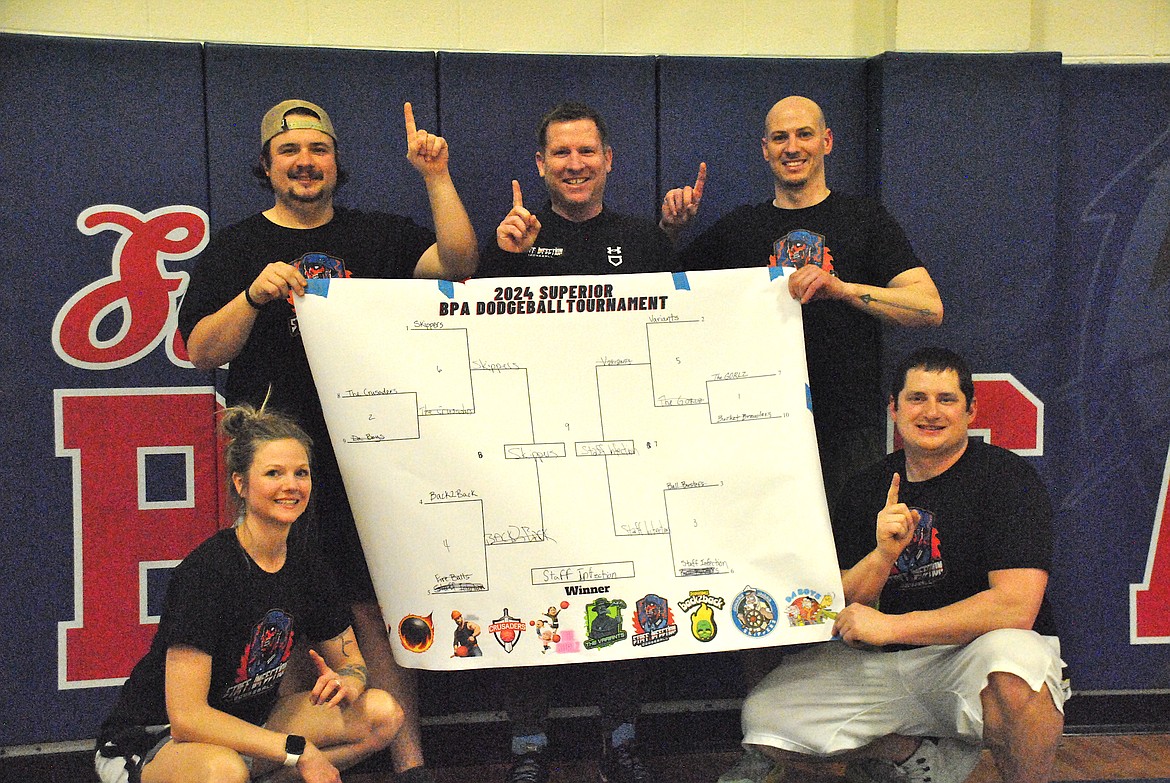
(192, 607)
(1021, 518)
(893, 253)
(218, 278)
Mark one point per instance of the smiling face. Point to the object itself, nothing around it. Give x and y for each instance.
(574, 164)
(276, 487)
(932, 415)
(302, 166)
(795, 144)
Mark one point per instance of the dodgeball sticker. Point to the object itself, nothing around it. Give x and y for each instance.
(416, 633)
(548, 629)
(507, 630)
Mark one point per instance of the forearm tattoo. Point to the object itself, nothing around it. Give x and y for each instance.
(353, 670)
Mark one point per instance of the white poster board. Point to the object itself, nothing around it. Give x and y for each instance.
(578, 468)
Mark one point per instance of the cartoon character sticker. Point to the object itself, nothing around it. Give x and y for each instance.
(704, 604)
(548, 630)
(603, 623)
(653, 621)
(808, 607)
(754, 612)
(465, 643)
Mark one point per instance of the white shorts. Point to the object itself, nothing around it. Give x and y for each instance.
(833, 698)
(117, 769)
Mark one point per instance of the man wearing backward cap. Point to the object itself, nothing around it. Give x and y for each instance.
(238, 309)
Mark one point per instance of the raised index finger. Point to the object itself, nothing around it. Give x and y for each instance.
(408, 114)
(892, 495)
(517, 197)
(318, 661)
(700, 181)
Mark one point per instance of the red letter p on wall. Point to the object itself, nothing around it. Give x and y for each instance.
(120, 531)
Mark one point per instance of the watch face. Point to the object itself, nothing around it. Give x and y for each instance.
(294, 744)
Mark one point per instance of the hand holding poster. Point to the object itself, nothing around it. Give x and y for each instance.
(557, 470)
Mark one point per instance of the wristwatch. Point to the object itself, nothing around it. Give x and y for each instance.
(294, 746)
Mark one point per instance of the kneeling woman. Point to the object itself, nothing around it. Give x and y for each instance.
(202, 705)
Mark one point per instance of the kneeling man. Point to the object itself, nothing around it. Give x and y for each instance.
(948, 644)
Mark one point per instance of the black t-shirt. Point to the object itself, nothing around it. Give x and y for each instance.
(860, 242)
(352, 244)
(219, 601)
(606, 244)
(987, 512)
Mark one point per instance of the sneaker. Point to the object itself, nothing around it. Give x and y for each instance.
(621, 764)
(529, 768)
(942, 760)
(752, 767)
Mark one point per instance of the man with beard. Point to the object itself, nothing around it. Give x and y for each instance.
(238, 308)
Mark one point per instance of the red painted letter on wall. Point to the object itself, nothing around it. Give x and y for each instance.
(110, 434)
(1150, 601)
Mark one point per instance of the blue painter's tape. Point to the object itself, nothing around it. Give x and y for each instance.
(681, 283)
(318, 286)
(775, 271)
(447, 288)
(808, 396)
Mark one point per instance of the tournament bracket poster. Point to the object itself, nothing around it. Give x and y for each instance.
(553, 470)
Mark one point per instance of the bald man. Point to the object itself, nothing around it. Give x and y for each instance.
(849, 264)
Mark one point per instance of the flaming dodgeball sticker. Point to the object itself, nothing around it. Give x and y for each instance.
(416, 633)
(507, 630)
(703, 625)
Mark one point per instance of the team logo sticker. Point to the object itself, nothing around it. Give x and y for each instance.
(465, 640)
(416, 633)
(653, 621)
(754, 612)
(548, 626)
(808, 607)
(704, 604)
(603, 623)
(507, 630)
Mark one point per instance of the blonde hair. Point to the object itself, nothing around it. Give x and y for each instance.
(246, 430)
